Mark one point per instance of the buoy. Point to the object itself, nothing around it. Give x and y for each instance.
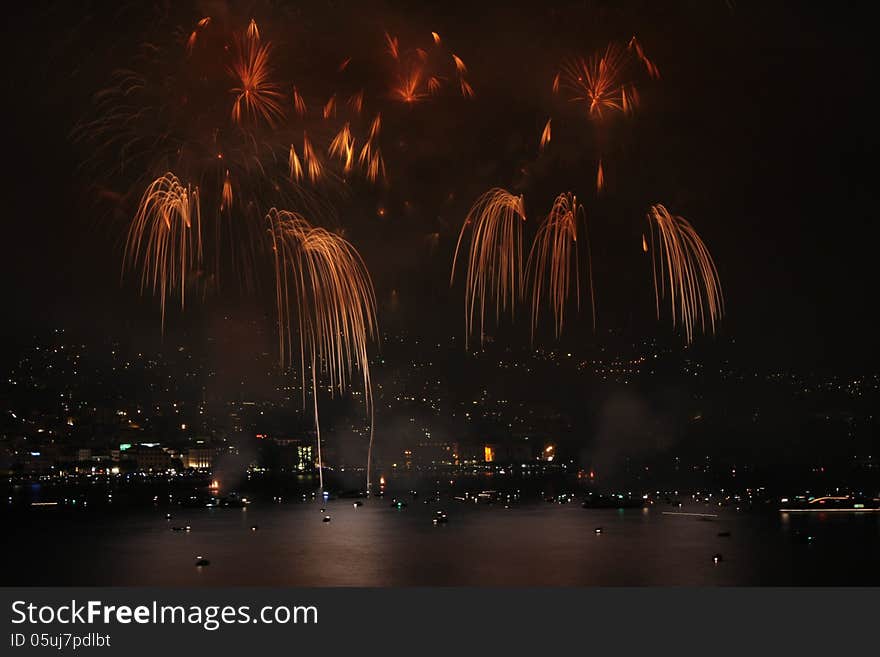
(254, 528)
(717, 558)
(201, 561)
(598, 530)
(326, 519)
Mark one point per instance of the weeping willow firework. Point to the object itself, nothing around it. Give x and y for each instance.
(164, 240)
(325, 296)
(220, 110)
(495, 262)
(552, 267)
(684, 271)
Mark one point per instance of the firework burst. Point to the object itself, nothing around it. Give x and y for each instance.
(683, 270)
(495, 262)
(325, 295)
(164, 241)
(552, 267)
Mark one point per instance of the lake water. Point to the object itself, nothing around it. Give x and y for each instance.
(481, 545)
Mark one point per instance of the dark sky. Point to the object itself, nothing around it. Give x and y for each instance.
(762, 132)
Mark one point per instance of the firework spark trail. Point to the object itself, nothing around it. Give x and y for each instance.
(295, 166)
(495, 262)
(684, 269)
(545, 135)
(226, 193)
(392, 45)
(553, 261)
(370, 157)
(330, 107)
(356, 102)
(314, 166)
(325, 279)
(256, 94)
(421, 73)
(298, 103)
(164, 239)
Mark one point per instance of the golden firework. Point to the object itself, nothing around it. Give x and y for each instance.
(684, 269)
(325, 295)
(552, 267)
(495, 262)
(164, 239)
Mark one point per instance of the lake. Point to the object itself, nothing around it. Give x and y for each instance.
(535, 544)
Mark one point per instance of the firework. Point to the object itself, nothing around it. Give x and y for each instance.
(421, 72)
(314, 166)
(545, 135)
(295, 166)
(604, 84)
(495, 262)
(552, 266)
(598, 81)
(330, 107)
(325, 295)
(226, 193)
(298, 103)
(164, 240)
(356, 101)
(684, 270)
(256, 94)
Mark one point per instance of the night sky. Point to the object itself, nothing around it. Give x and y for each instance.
(761, 131)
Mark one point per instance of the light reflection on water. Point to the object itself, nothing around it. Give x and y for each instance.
(374, 545)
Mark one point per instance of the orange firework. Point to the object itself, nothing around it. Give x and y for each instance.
(356, 101)
(330, 107)
(226, 193)
(422, 72)
(392, 46)
(323, 293)
(342, 147)
(253, 32)
(553, 261)
(294, 165)
(684, 269)
(408, 88)
(298, 103)
(164, 239)
(256, 94)
(545, 135)
(652, 69)
(495, 263)
(598, 81)
(600, 178)
(314, 166)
